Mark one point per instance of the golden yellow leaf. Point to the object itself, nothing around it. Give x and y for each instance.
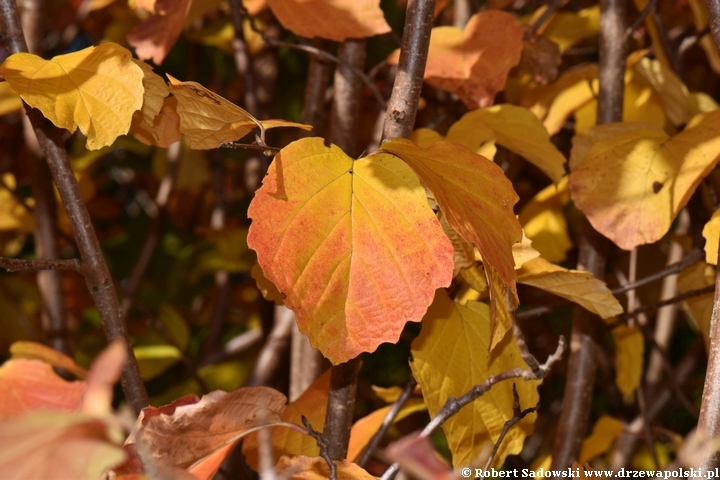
(711, 233)
(476, 277)
(463, 252)
(604, 433)
(575, 285)
(514, 128)
(208, 119)
(9, 100)
(568, 28)
(165, 128)
(632, 185)
(331, 19)
(629, 352)
(143, 121)
(13, 215)
(701, 102)
(672, 90)
(38, 351)
(699, 308)
(523, 252)
(554, 103)
(450, 356)
(300, 467)
(583, 142)
(544, 223)
(425, 137)
(96, 89)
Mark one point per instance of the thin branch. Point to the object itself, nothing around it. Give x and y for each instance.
(454, 405)
(709, 420)
(387, 422)
(274, 353)
(242, 58)
(35, 265)
(267, 150)
(97, 275)
(517, 416)
(324, 448)
(552, 8)
(651, 5)
(688, 260)
(654, 306)
(402, 107)
(318, 52)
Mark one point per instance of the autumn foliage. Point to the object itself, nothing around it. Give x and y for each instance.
(251, 254)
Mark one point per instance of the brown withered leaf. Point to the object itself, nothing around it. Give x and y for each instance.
(156, 35)
(541, 58)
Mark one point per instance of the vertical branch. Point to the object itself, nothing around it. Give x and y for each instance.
(343, 131)
(402, 108)
(583, 347)
(54, 314)
(709, 420)
(317, 82)
(97, 275)
(242, 58)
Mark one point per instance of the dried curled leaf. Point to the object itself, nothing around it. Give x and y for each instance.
(208, 119)
(96, 89)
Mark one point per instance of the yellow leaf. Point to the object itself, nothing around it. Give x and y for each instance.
(13, 215)
(629, 351)
(544, 223)
(554, 103)
(450, 356)
(632, 185)
(267, 288)
(672, 90)
(352, 244)
(575, 285)
(568, 28)
(364, 429)
(698, 309)
(463, 252)
(143, 121)
(711, 233)
(96, 89)
(476, 277)
(331, 19)
(209, 119)
(604, 433)
(9, 100)
(514, 128)
(701, 102)
(523, 252)
(583, 142)
(425, 137)
(153, 360)
(165, 129)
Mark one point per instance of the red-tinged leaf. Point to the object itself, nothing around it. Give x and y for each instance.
(156, 35)
(332, 19)
(38, 351)
(301, 467)
(312, 405)
(58, 446)
(474, 194)
(27, 385)
(474, 63)
(195, 430)
(417, 456)
(352, 244)
(104, 373)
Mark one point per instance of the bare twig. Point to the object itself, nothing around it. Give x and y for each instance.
(387, 422)
(687, 261)
(651, 5)
(517, 416)
(552, 8)
(402, 107)
(274, 353)
(454, 405)
(341, 403)
(20, 264)
(242, 58)
(97, 275)
(324, 448)
(654, 306)
(267, 150)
